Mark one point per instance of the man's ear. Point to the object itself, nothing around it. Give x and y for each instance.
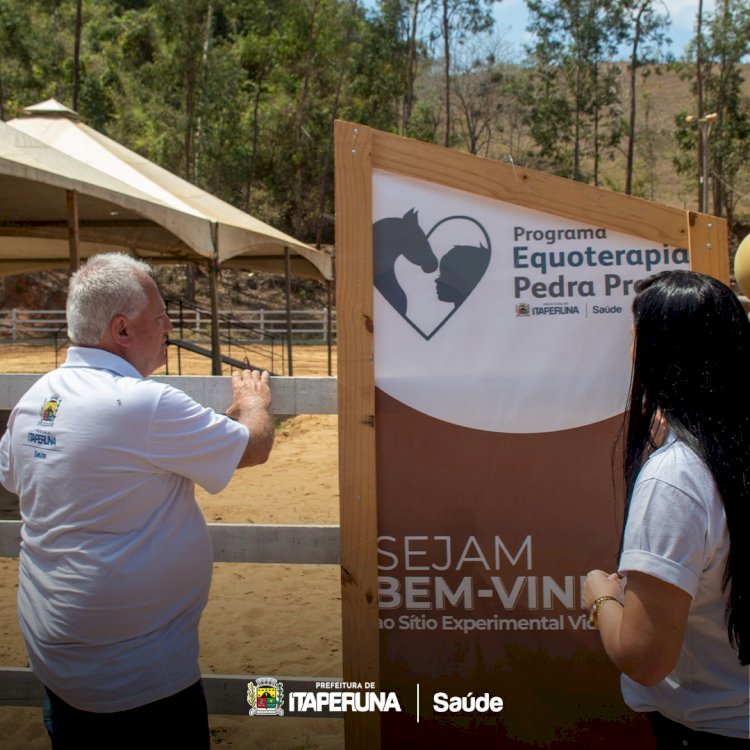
(119, 330)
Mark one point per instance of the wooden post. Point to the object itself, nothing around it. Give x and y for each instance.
(356, 402)
(73, 235)
(213, 282)
(288, 274)
(329, 326)
(707, 245)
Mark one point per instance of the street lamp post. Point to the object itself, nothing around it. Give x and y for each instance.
(704, 129)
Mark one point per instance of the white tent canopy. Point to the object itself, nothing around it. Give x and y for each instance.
(35, 181)
(124, 202)
(68, 192)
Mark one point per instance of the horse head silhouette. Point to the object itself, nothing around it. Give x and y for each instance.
(391, 238)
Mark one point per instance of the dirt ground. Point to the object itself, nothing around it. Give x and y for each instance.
(307, 359)
(275, 620)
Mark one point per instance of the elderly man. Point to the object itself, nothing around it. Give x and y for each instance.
(116, 558)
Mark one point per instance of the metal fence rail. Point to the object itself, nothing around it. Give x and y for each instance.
(17, 324)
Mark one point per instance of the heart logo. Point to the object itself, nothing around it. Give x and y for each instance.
(426, 277)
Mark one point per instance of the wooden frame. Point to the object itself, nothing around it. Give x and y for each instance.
(288, 544)
(356, 392)
(307, 395)
(358, 151)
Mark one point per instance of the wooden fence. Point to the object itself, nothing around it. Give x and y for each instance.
(311, 325)
(289, 544)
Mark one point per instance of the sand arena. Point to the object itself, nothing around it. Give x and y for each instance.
(271, 620)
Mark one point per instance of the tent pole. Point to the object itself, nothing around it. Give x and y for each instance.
(73, 236)
(288, 273)
(213, 283)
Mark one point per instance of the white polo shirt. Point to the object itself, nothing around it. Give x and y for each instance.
(116, 558)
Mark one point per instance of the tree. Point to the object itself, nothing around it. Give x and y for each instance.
(515, 141)
(730, 140)
(413, 48)
(240, 96)
(258, 46)
(458, 19)
(647, 25)
(77, 52)
(480, 84)
(396, 29)
(722, 41)
(378, 77)
(477, 105)
(185, 27)
(16, 51)
(575, 105)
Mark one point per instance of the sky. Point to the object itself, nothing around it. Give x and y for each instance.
(511, 20)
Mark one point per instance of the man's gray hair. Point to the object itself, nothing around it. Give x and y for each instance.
(107, 285)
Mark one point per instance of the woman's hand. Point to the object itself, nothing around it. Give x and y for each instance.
(598, 583)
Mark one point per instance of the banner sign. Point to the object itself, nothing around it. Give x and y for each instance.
(502, 364)
(533, 309)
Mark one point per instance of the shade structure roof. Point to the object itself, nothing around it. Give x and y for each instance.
(124, 202)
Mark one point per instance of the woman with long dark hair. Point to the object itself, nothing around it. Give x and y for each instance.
(675, 618)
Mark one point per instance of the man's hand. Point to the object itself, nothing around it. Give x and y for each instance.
(251, 405)
(249, 388)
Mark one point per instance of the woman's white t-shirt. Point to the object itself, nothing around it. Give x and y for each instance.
(677, 531)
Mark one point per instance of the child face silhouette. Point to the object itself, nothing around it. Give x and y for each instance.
(461, 268)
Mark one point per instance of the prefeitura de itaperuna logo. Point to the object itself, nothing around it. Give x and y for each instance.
(265, 696)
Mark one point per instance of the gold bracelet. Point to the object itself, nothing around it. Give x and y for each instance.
(594, 614)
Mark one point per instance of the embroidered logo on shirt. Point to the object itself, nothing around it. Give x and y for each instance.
(41, 442)
(48, 411)
(42, 438)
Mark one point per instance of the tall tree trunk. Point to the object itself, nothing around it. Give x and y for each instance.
(256, 133)
(447, 73)
(411, 63)
(718, 189)
(597, 116)
(300, 134)
(699, 96)
(299, 147)
(327, 161)
(577, 127)
(60, 86)
(77, 55)
(207, 33)
(191, 73)
(187, 153)
(2, 93)
(633, 103)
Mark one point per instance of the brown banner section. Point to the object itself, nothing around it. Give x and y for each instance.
(483, 540)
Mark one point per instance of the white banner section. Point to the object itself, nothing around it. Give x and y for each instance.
(496, 317)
